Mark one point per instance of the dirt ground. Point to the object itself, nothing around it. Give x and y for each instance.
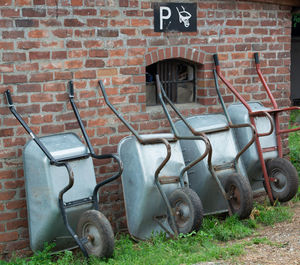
(286, 251)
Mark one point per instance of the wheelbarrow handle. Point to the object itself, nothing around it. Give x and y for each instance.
(8, 97)
(216, 59)
(71, 89)
(256, 58)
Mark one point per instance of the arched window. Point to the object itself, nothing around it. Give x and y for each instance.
(178, 80)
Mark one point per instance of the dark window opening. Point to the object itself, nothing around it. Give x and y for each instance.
(177, 78)
(295, 59)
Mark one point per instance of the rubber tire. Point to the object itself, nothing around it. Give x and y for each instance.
(288, 175)
(239, 194)
(93, 222)
(186, 197)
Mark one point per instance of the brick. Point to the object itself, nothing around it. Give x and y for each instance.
(63, 76)
(49, 129)
(33, 108)
(39, 2)
(85, 12)
(39, 55)
(123, 3)
(14, 79)
(26, 23)
(136, 42)
(150, 125)
(6, 68)
(21, 244)
(59, 55)
(97, 122)
(51, 23)
(98, 53)
(41, 77)
(10, 13)
(22, 2)
(7, 153)
(76, 2)
(33, 12)
(7, 174)
(6, 3)
(121, 80)
(28, 88)
(7, 195)
(41, 97)
(107, 72)
(6, 132)
(97, 23)
(14, 34)
(15, 224)
(110, 13)
(6, 45)
(140, 22)
(7, 216)
(63, 33)
(88, 74)
(11, 205)
(73, 44)
(38, 34)
(54, 107)
(54, 87)
(15, 142)
(27, 45)
(73, 23)
(9, 236)
(93, 44)
(85, 33)
(39, 119)
(6, 23)
(107, 33)
(94, 63)
(13, 56)
(129, 70)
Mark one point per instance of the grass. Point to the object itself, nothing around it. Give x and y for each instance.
(206, 245)
(210, 243)
(294, 145)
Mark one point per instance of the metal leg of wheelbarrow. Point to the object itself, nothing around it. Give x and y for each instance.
(161, 93)
(106, 181)
(88, 142)
(62, 207)
(170, 212)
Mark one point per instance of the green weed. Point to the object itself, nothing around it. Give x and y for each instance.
(269, 215)
(205, 245)
(294, 146)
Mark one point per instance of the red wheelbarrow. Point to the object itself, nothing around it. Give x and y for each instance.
(280, 178)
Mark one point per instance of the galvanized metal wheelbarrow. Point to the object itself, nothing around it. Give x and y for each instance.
(155, 184)
(219, 179)
(265, 158)
(62, 192)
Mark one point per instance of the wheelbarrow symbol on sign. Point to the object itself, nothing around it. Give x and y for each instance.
(184, 17)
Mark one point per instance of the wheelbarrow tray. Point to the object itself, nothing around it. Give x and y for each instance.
(224, 151)
(143, 202)
(44, 181)
(239, 114)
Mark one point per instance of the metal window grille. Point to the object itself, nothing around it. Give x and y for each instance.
(178, 80)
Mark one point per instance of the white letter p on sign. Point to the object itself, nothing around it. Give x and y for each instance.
(162, 16)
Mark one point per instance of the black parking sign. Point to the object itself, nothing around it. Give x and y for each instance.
(181, 17)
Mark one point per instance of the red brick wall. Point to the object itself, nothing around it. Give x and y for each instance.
(45, 43)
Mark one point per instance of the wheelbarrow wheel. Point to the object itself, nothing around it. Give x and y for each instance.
(239, 194)
(285, 184)
(188, 210)
(95, 227)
